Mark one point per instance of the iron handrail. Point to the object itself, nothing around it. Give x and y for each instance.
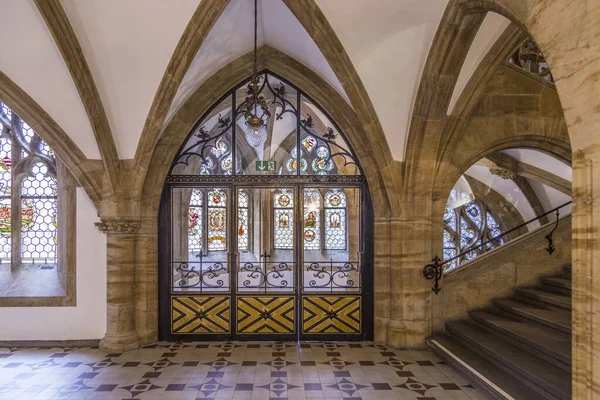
(436, 268)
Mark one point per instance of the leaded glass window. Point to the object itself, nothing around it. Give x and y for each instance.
(312, 219)
(243, 215)
(195, 218)
(292, 162)
(335, 220)
(38, 215)
(27, 165)
(283, 229)
(466, 227)
(217, 220)
(5, 204)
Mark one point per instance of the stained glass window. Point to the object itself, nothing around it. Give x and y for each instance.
(322, 164)
(467, 227)
(38, 215)
(5, 210)
(292, 162)
(312, 219)
(283, 204)
(335, 220)
(243, 215)
(35, 215)
(195, 217)
(217, 220)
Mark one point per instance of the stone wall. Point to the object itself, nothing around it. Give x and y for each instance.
(496, 274)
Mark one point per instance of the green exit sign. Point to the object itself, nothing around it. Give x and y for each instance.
(266, 166)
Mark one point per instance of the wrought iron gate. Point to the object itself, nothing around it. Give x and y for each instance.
(259, 275)
(266, 234)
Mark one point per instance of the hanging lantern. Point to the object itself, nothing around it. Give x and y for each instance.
(255, 108)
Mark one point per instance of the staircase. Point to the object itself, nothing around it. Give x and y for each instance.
(520, 348)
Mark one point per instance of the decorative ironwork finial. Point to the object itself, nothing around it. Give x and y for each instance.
(434, 271)
(550, 249)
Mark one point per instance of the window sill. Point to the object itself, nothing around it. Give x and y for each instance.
(31, 286)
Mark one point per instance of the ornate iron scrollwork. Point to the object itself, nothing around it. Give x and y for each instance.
(204, 143)
(308, 126)
(332, 275)
(550, 249)
(434, 271)
(261, 276)
(205, 277)
(266, 179)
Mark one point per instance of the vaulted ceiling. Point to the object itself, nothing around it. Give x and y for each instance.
(535, 184)
(128, 46)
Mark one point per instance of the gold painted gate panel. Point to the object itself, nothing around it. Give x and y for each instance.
(331, 314)
(200, 314)
(267, 314)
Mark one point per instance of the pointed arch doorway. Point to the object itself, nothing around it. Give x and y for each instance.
(269, 241)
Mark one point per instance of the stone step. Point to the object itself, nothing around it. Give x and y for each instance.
(548, 344)
(553, 317)
(557, 285)
(493, 381)
(541, 297)
(541, 376)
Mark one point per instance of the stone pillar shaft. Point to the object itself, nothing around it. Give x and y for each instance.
(121, 334)
(411, 293)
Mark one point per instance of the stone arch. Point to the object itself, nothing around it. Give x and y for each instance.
(177, 129)
(182, 122)
(60, 142)
(444, 184)
(569, 37)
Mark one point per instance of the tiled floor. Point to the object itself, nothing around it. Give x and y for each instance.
(253, 371)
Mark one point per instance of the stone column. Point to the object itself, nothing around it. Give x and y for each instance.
(146, 279)
(586, 283)
(411, 293)
(382, 278)
(121, 334)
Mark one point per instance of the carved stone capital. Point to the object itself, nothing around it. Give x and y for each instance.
(502, 173)
(118, 226)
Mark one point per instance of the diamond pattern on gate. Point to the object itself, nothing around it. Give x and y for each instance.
(331, 314)
(200, 314)
(265, 314)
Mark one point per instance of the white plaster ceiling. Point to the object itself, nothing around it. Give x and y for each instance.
(388, 42)
(128, 45)
(128, 51)
(551, 198)
(541, 160)
(491, 29)
(232, 36)
(32, 60)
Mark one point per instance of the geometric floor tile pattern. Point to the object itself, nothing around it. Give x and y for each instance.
(220, 370)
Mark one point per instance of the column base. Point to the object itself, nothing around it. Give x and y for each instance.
(408, 334)
(120, 343)
(148, 337)
(381, 324)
